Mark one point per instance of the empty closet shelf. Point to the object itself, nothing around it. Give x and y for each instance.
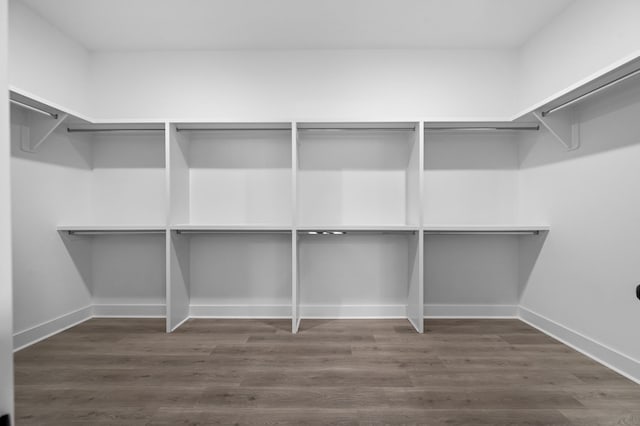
(111, 229)
(485, 229)
(230, 229)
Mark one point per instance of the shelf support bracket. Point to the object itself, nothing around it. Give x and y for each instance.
(37, 130)
(563, 127)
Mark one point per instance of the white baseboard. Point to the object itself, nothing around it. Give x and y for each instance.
(597, 351)
(129, 311)
(240, 311)
(470, 311)
(32, 335)
(352, 311)
(177, 326)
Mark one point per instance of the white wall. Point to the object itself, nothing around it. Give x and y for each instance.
(353, 275)
(470, 178)
(586, 274)
(355, 178)
(45, 62)
(587, 37)
(6, 302)
(303, 85)
(51, 187)
(471, 275)
(241, 273)
(128, 183)
(128, 270)
(240, 178)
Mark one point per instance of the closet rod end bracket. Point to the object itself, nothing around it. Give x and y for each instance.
(38, 130)
(563, 126)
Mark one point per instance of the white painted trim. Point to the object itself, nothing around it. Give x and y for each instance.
(28, 337)
(609, 357)
(240, 311)
(129, 311)
(353, 311)
(470, 311)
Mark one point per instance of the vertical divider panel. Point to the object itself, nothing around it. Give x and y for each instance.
(178, 247)
(415, 173)
(6, 278)
(295, 281)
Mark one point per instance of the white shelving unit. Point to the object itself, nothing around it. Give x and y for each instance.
(126, 225)
(361, 273)
(357, 205)
(296, 220)
(473, 229)
(230, 273)
(358, 174)
(231, 220)
(239, 174)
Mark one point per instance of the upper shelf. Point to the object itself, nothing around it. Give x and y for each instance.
(79, 127)
(357, 126)
(193, 228)
(232, 127)
(111, 229)
(222, 229)
(40, 121)
(485, 229)
(480, 126)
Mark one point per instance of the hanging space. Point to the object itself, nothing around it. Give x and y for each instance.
(230, 249)
(474, 228)
(358, 241)
(126, 225)
(89, 209)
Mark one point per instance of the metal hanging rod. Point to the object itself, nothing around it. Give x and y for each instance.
(228, 232)
(115, 232)
(235, 129)
(72, 130)
(360, 232)
(358, 129)
(34, 108)
(533, 232)
(483, 128)
(591, 92)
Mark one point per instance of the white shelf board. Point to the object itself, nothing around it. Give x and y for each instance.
(484, 228)
(363, 228)
(112, 228)
(194, 228)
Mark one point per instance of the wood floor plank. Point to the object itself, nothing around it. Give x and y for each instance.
(254, 416)
(292, 397)
(491, 378)
(330, 376)
(112, 371)
(603, 417)
(478, 398)
(524, 417)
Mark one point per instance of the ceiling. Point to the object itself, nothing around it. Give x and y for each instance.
(298, 24)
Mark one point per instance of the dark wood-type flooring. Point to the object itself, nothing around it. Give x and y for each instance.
(347, 372)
